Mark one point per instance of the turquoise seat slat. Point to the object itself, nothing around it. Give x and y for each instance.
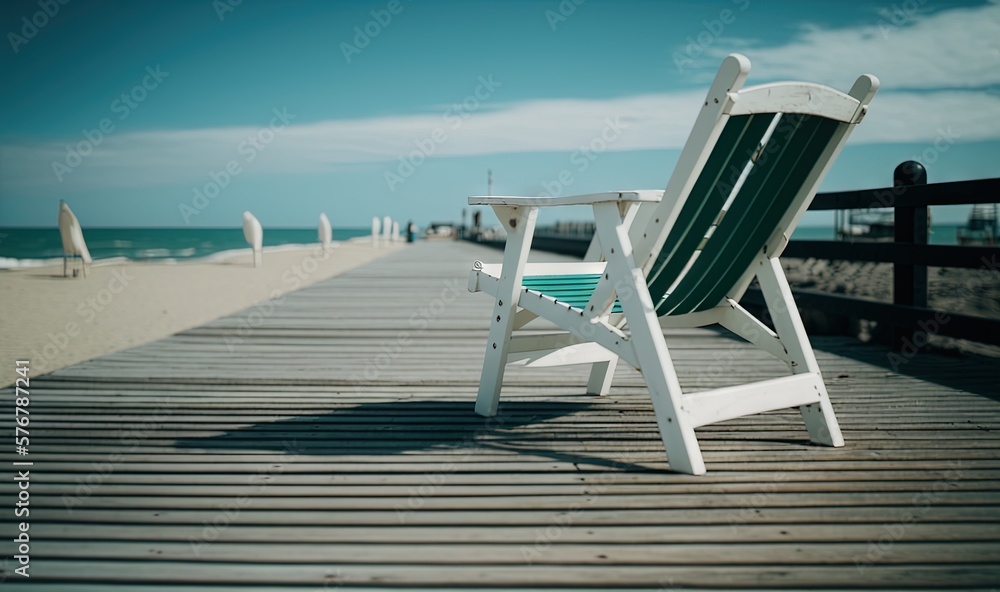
(561, 280)
(569, 293)
(574, 290)
(737, 143)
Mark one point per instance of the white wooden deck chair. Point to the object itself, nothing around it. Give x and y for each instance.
(683, 257)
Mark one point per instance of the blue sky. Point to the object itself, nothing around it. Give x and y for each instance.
(175, 113)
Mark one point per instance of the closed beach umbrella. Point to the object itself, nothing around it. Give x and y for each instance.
(254, 235)
(395, 230)
(375, 230)
(72, 237)
(387, 228)
(325, 232)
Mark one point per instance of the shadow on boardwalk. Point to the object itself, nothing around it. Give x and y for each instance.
(398, 427)
(949, 369)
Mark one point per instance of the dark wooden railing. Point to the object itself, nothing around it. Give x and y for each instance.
(910, 255)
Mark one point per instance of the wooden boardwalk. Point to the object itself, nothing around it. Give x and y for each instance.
(329, 442)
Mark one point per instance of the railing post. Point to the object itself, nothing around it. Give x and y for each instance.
(909, 282)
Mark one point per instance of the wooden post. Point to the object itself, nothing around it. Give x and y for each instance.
(909, 284)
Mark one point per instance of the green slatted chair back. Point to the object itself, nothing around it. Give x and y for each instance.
(717, 244)
(756, 161)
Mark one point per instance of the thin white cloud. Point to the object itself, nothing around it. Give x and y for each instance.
(657, 121)
(907, 48)
(900, 117)
(172, 156)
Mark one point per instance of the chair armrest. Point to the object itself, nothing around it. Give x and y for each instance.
(652, 195)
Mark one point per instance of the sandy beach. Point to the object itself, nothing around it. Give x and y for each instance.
(55, 322)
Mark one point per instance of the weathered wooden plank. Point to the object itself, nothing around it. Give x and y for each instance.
(147, 476)
(406, 500)
(750, 514)
(204, 548)
(263, 486)
(498, 533)
(332, 572)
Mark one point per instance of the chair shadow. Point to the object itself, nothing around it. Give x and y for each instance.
(401, 427)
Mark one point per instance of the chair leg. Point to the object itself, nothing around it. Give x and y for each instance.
(650, 346)
(601, 375)
(520, 226)
(820, 420)
(678, 436)
(491, 380)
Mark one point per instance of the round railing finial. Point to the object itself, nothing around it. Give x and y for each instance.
(910, 172)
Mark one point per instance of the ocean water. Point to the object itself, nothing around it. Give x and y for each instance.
(26, 247)
(939, 234)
